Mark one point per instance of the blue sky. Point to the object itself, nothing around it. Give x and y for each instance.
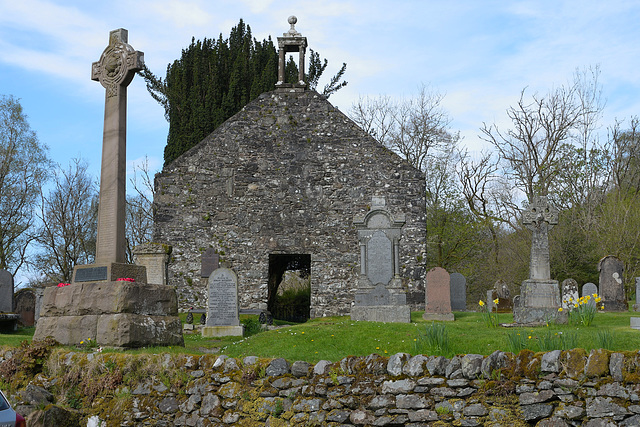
(479, 53)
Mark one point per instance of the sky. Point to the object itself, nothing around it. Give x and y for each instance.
(479, 54)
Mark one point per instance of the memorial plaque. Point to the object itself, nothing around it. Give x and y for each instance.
(6, 292)
(223, 298)
(379, 261)
(91, 274)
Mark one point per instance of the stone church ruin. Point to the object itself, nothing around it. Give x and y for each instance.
(275, 189)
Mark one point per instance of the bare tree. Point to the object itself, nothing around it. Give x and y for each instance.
(530, 150)
(24, 168)
(68, 216)
(139, 220)
(412, 127)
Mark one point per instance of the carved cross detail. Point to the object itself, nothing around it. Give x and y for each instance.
(540, 210)
(118, 63)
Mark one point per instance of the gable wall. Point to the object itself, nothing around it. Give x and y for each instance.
(287, 174)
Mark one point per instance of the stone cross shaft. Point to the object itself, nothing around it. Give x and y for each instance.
(114, 71)
(540, 217)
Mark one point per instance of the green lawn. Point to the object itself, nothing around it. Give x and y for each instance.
(333, 338)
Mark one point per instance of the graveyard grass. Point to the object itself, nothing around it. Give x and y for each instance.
(333, 338)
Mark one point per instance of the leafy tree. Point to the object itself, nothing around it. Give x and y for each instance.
(68, 216)
(24, 166)
(215, 78)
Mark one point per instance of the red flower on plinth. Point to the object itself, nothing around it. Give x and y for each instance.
(125, 279)
(62, 285)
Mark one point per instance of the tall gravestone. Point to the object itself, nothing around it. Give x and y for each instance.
(438, 295)
(458, 285)
(24, 305)
(588, 289)
(223, 315)
(380, 296)
(539, 295)
(636, 306)
(6, 292)
(569, 292)
(611, 284)
(109, 301)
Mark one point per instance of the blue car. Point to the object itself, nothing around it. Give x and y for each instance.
(9, 417)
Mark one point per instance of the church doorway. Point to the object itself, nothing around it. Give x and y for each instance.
(289, 287)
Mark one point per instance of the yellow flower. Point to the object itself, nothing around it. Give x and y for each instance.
(575, 305)
(496, 301)
(529, 336)
(81, 342)
(377, 348)
(560, 309)
(302, 332)
(481, 303)
(598, 299)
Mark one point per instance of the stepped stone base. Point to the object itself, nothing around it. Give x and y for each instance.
(222, 331)
(118, 314)
(539, 303)
(382, 313)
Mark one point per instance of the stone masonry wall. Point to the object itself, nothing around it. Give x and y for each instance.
(286, 175)
(557, 388)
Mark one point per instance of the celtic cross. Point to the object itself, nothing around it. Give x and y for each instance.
(114, 71)
(540, 217)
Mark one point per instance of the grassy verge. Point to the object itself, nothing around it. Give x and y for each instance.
(333, 338)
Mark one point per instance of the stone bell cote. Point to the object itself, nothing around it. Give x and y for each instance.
(291, 41)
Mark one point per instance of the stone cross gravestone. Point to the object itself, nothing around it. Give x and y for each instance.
(588, 289)
(539, 295)
(6, 292)
(458, 285)
(223, 318)
(569, 293)
(438, 295)
(379, 296)
(611, 284)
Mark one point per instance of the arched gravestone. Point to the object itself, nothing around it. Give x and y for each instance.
(24, 305)
(611, 284)
(590, 289)
(223, 310)
(438, 295)
(380, 297)
(569, 293)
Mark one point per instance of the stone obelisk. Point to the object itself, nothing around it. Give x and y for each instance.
(115, 70)
(539, 295)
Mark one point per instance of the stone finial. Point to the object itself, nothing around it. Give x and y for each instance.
(292, 31)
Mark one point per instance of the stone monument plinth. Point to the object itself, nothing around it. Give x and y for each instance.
(380, 296)
(539, 295)
(110, 301)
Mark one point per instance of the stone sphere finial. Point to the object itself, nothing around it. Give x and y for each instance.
(292, 20)
(292, 31)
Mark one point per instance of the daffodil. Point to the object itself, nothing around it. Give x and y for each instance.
(560, 309)
(496, 301)
(481, 303)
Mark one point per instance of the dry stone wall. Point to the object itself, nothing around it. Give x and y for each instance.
(286, 175)
(557, 388)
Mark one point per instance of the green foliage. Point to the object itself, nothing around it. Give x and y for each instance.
(489, 317)
(293, 305)
(215, 78)
(604, 339)
(251, 326)
(583, 311)
(27, 361)
(435, 340)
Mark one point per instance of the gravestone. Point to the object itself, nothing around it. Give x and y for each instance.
(24, 305)
(110, 302)
(379, 296)
(223, 318)
(569, 293)
(611, 284)
(155, 258)
(209, 261)
(438, 295)
(458, 292)
(588, 289)
(539, 295)
(501, 293)
(6, 292)
(636, 306)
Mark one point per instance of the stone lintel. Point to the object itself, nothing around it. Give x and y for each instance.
(109, 272)
(222, 331)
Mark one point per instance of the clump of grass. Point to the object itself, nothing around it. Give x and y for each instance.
(604, 339)
(435, 340)
(488, 316)
(516, 342)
